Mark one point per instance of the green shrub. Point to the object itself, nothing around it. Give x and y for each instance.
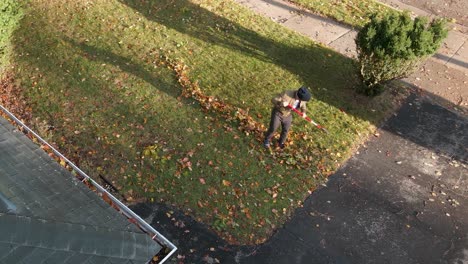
(10, 14)
(392, 46)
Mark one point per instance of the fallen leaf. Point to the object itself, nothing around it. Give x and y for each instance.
(226, 183)
(247, 213)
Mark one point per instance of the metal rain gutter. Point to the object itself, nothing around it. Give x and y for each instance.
(155, 235)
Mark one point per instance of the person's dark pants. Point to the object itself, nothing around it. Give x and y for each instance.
(276, 120)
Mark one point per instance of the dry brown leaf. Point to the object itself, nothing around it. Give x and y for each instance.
(226, 183)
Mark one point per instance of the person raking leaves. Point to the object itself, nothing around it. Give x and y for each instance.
(281, 113)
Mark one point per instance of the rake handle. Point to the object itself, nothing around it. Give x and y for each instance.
(307, 118)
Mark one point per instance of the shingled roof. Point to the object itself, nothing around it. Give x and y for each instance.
(48, 216)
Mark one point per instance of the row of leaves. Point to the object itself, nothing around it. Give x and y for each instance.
(298, 157)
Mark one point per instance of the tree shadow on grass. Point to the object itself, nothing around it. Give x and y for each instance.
(315, 65)
(77, 103)
(127, 65)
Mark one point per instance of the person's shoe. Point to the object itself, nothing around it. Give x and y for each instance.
(266, 144)
(281, 145)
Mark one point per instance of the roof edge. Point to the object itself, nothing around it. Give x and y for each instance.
(101, 191)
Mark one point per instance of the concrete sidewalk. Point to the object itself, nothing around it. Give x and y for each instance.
(445, 74)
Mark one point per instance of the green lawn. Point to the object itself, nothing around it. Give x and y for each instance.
(352, 12)
(10, 14)
(169, 99)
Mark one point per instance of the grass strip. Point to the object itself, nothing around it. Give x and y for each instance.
(352, 12)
